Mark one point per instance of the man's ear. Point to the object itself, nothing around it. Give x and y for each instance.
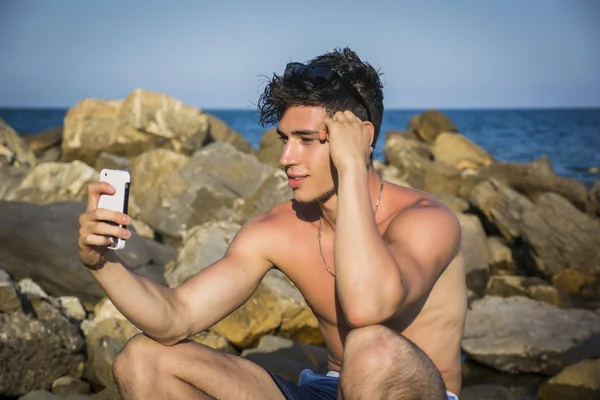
(371, 129)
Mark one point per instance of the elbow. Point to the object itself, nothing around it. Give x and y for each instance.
(356, 320)
(360, 317)
(372, 313)
(177, 327)
(170, 335)
(168, 340)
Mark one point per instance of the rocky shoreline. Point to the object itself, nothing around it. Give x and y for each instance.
(531, 239)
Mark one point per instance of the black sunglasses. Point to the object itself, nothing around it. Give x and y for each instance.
(321, 74)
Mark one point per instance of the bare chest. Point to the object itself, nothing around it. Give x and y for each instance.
(300, 259)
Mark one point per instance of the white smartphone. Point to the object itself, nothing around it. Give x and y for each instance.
(119, 201)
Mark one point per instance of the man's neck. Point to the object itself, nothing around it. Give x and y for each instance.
(329, 207)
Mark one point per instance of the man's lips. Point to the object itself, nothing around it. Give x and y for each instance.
(295, 180)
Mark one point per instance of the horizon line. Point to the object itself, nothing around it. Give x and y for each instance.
(413, 108)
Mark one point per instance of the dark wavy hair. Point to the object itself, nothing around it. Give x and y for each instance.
(287, 90)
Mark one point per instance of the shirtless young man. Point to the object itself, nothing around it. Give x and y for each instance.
(379, 264)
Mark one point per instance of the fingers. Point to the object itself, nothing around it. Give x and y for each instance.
(97, 225)
(344, 117)
(95, 240)
(324, 129)
(351, 117)
(95, 190)
(88, 232)
(101, 214)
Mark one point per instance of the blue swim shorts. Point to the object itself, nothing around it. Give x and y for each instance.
(313, 386)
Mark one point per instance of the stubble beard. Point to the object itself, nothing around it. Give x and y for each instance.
(321, 198)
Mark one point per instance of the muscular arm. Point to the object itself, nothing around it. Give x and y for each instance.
(376, 278)
(170, 315)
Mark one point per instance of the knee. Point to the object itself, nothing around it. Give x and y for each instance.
(373, 347)
(138, 355)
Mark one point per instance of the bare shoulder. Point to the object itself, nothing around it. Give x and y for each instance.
(423, 221)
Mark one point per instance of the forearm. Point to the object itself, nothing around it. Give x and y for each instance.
(368, 281)
(147, 305)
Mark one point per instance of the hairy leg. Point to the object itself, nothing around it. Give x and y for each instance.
(381, 364)
(146, 369)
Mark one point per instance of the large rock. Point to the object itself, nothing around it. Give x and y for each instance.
(10, 179)
(577, 382)
(165, 120)
(204, 245)
(432, 123)
(275, 305)
(219, 131)
(104, 340)
(259, 316)
(143, 121)
(10, 300)
(111, 161)
(204, 189)
(46, 395)
(389, 173)
(455, 204)
(392, 174)
(456, 150)
(476, 253)
(110, 393)
(407, 140)
(270, 148)
(536, 178)
(13, 149)
(275, 190)
(40, 242)
(561, 236)
(69, 386)
(413, 124)
(149, 171)
(214, 341)
(476, 377)
(53, 182)
(502, 206)
(593, 206)
(532, 287)
(40, 143)
(419, 171)
(297, 319)
(89, 128)
(501, 257)
(35, 351)
(486, 392)
(582, 289)
(287, 358)
(517, 334)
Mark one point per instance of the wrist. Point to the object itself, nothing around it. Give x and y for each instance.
(351, 166)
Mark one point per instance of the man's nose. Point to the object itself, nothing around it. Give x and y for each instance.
(290, 154)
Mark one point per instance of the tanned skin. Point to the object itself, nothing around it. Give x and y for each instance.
(399, 276)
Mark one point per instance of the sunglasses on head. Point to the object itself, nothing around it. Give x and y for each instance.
(321, 74)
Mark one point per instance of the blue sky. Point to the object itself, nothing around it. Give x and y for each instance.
(443, 54)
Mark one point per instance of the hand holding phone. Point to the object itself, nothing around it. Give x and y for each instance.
(99, 227)
(117, 202)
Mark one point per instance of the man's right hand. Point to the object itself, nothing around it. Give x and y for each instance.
(95, 227)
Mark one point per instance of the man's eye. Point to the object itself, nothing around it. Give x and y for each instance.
(283, 139)
(307, 140)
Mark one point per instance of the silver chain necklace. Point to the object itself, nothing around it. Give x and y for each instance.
(321, 225)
